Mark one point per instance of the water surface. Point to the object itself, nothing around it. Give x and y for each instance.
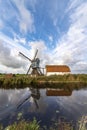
(46, 105)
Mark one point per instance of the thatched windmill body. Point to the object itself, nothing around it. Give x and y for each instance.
(35, 62)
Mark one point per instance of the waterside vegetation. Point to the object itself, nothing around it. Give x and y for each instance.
(81, 124)
(22, 81)
(23, 125)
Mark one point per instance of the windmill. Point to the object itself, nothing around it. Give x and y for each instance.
(35, 94)
(35, 62)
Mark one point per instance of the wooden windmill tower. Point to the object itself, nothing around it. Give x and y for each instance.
(35, 62)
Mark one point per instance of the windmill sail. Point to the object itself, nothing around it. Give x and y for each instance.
(29, 69)
(35, 54)
(24, 56)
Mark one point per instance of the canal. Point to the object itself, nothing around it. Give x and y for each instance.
(49, 106)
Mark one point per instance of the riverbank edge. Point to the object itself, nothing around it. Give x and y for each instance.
(56, 81)
(70, 85)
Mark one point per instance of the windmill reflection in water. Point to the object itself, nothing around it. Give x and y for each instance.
(35, 94)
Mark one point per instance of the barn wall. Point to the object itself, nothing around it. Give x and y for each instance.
(56, 73)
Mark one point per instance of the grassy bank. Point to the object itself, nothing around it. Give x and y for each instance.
(22, 81)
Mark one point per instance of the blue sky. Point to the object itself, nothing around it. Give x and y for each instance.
(58, 28)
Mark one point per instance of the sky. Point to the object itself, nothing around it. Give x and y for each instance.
(57, 28)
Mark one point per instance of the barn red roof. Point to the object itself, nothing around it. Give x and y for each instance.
(57, 68)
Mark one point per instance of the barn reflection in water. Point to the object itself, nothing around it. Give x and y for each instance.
(58, 92)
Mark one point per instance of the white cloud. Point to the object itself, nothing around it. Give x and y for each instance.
(40, 45)
(8, 57)
(13, 43)
(56, 11)
(26, 20)
(37, 44)
(20, 40)
(17, 13)
(74, 4)
(10, 61)
(8, 13)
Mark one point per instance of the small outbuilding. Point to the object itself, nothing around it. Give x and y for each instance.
(57, 70)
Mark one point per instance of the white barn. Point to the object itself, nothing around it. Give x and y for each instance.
(57, 70)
